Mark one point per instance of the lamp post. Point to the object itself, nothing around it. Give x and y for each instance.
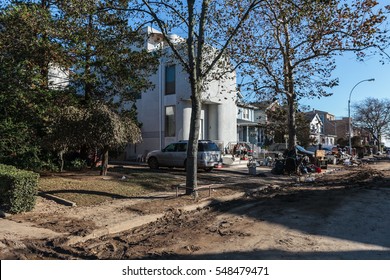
(349, 112)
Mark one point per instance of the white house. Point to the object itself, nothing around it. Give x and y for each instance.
(323, 128)
(316, 126)
(165, 110)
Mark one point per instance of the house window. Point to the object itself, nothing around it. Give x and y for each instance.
(246, 114)
(170, 79)
(170, 122)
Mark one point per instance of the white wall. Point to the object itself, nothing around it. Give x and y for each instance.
(219, 112)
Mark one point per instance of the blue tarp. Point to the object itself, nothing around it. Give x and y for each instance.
(303, 151)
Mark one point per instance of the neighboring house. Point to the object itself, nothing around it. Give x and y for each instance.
(165, 110)
(252, 120)
(329, 135)
(323, 127)
(248, 129)
(341, 128)
(264, 108)
(316, 126)
(342, 131)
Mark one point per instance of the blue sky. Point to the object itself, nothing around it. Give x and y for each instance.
(350, 72)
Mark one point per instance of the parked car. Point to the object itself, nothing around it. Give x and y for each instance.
(175, 155)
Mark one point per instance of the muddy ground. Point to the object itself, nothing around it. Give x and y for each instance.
(343, 214)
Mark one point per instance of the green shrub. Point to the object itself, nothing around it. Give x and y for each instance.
(18, 189)
(78, 164)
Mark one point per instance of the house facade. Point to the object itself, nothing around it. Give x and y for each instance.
(342, 131)
(323, 127)
(252, 120)
(248, 129)
(165, 110)
(316, 127)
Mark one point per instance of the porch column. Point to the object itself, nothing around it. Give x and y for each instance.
(186, 121)
(221, 122)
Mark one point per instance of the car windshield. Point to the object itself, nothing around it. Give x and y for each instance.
(207, 147)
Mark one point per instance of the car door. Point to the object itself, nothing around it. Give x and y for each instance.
(167, 155)
(181, 154)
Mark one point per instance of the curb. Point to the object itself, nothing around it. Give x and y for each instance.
(146, 219)
(57, 199)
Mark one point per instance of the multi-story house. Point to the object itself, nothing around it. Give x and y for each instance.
(342, 131)
(248, 129)
(316, 127)
(165, 110)
(323, 127)
(252, 120)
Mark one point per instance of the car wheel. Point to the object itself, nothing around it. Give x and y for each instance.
(208, 169)
(153, 163)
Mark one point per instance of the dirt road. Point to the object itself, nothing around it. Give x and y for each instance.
(341, 215)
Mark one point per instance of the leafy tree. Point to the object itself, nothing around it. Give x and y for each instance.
(373, 115)
(291, 46)
(83, 36)
(105, 62)
(15, 143)
(28, 45)
(96, 126)
(25, 96)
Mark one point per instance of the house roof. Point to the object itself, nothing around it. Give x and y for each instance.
(311, 116)
(264, 105)
(246, 105)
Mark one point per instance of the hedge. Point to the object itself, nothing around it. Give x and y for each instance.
(18, 189)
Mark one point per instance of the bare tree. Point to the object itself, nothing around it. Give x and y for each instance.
(291, 46)
(373, 115)
(209, 28)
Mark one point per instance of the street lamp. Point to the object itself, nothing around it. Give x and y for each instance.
(349, 112)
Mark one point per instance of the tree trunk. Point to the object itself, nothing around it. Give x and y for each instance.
(61, 155)
(192, 151)
(289, 85)
(88, 85)
(103, 171)
(95, 159)
(194, 70)
(44, 59)
(292, 132)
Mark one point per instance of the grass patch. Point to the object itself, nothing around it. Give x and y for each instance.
(87, 188)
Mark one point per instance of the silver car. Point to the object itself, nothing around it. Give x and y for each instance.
(175, 155)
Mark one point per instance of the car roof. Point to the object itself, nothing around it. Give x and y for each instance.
(186, 141)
